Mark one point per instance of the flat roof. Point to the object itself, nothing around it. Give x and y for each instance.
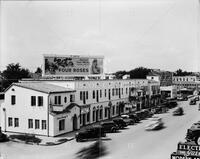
(44, 87)
(71, 80)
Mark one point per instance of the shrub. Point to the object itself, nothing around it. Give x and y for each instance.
(27, 138)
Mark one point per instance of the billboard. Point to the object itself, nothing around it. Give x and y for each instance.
(55, 65)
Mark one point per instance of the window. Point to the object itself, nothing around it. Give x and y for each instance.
(81, 95)
(113, 110)
(33, 100)
(81, 116)
(93, 94)
(94, 111)
(57, 99)
(13, 99)
(72, 98)
(88, 117)
(61, 124)
(65, 99)
(10, 122)
(40, 101)
(16, 122)
(44, 124)
(37, 124)
(87, 95)
(106, 113)
(105, 92)
(101, 112)
(126, 90)
(113, 93)
(117, 109)
(100, 93)
(30, 123)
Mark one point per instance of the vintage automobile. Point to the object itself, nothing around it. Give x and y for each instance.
(196, 98)
(155, 123)
(142, 114)
(182, 98)
(178, 111)
(160, 109)
(193, 134)
(90, 133)
(109, 126)
(120, 123)
(134, 117)
(172, 104)
(192, 102)
(3, 137)
(127, 119)
(194, 125)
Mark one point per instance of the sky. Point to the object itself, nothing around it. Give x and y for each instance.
(160, 34)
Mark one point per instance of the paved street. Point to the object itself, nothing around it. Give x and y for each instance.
(134, 142)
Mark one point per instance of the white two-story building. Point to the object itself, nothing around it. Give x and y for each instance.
(54, 107)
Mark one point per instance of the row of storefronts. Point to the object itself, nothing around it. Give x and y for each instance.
(54, 107)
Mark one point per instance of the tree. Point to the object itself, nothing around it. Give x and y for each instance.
(139, 73)
(13, 73)
(38, 71)
(180, 72)
(120, 74)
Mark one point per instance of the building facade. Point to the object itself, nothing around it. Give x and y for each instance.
(164, 77)
(54, 107)
(189, 82)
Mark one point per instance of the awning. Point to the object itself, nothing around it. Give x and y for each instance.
(85, 110)
(128, 106)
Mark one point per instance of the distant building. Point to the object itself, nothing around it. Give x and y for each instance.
(168, 92)
(126, 76)
(164, 77)
(189, 82)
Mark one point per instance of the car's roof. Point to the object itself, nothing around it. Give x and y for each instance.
(124, 115)
(117, 119)
(107, 122)
(155, 118)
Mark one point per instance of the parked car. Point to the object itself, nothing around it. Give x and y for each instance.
(192, 102)
(178, 111)
(172, 104)
(147, 113)
(120, 122)
(155, 123)
(109, 126)
(3, 137)
(89, 133)
(158, 110)
(142, 114)
(128, 120)
(194, 125)
(193, 134)
(196, 98)
(134, 117)
(182, 98)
